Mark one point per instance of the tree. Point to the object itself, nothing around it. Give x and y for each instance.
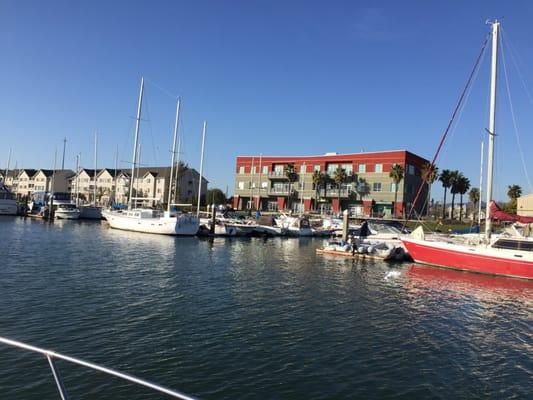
(514, 192)
(339, 177)
(430, 173)
(326, 179)
(396, 174)
(292, 176)
(474, 197)
(317, 181)
(216, 196)
(444, 178)
(362, 188)
(454, 188)
(463, 184)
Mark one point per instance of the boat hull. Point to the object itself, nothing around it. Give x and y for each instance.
(67, 214)
(89, 212)
(468, 258)
(183, 225)
(8, 207)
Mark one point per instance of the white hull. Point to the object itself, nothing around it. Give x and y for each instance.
(183, 225)
(67, 214)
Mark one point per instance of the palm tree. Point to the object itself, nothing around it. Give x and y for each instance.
(339, 177)
(514, 192)
(430, 173)
(325, 180)
(474, 197)
(317, 181)
(454, 188)
(292, 176)
(463, 184)
(444, 177)
(362, 187)
(396, 173)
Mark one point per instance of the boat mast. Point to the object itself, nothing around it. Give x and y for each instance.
(77, 180)
(137, 126)
(201, 169)
(95, 167)
(171, 181)
(480, 185)
(492, 125)
(7, 168)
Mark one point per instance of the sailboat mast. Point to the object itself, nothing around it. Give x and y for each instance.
(7, 168)
(480, 184)
(492, 125)
(201, 170)
(77, 180)
(137, 126)
(95, 166)
(171, 181)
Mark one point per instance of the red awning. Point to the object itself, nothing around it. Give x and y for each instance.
(497, 214)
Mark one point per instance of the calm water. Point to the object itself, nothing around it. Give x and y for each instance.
(251, 319)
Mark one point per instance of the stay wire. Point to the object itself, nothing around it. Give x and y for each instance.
(446, 131)
(513, 117)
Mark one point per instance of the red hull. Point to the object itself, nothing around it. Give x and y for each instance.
(473, 262)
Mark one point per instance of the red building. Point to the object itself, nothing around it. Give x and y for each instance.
(261, 182)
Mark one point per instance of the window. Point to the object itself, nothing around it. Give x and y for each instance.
(303, 169)
(376, 187)
(379, 168)
(264, 185)
(316, 168)
(410, 169)
(241, 169)
(362, 168)
(278, 170)
(241, 185)
(331, 168)
(393, 187)
(301, 185)
(348, 168)
(254, 169)
(265, 169)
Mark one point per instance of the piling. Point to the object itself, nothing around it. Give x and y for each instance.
(213, 219)
(345, 225)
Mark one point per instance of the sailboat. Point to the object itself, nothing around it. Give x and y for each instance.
(92, 211)
(506, 256)
(169, 222)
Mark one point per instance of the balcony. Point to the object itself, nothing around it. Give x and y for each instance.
(277, 175)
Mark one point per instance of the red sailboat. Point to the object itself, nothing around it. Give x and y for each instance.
(503, 255)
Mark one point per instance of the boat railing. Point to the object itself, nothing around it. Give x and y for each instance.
(51, 356)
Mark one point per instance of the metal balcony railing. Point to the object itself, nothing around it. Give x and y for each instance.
(51, 356)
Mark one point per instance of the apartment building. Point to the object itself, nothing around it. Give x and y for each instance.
(261, 183)
(23, 182)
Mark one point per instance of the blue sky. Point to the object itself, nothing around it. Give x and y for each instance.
(276, 77)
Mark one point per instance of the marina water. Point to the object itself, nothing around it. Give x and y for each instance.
(251, 319)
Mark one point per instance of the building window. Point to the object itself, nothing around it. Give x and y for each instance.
(241, 169)
(303, 169)
(376, 187)
(265, 169)
(254, 169)
(348, 168)
(410, 169)
(331, 168)
(278, 170)
(362, 168)
(393, 187)
(379, 168)
(316, 168)
(241, 185)
(264, 185)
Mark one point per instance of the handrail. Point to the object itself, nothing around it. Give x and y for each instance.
(50, 355)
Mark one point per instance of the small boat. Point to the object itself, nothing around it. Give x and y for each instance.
(66, 210)
(8, 201)
(295, 226)
(266, 225)
(363, 248)
(90, 212)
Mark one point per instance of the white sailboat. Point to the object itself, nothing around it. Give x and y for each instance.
(92, 211)
(169, 222)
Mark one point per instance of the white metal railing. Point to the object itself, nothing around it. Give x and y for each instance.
(51, 356)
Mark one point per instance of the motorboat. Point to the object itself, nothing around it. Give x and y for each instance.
(267, 225)
(153, 221)
(295, 225)
(8, 201)
(66, 210)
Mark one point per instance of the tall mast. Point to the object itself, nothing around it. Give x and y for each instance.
(64, 147)
(95, 166)
(492, 125)
(115, 177)
(177, 189)
(77, 180)
(7, 167)
(480, 184)
(201, 169)
(171, 181)
(137, 126)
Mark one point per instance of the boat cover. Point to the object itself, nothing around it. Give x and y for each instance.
(497, 214)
